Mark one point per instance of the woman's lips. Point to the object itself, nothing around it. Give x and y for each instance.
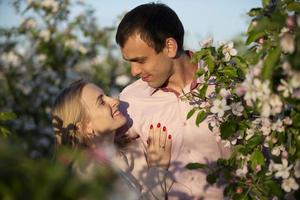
(116, 113)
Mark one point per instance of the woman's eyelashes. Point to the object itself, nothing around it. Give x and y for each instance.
(100, 100)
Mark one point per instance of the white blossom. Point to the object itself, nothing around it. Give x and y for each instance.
(237, 109)
(287, 43)
(219, 107)
(71, 44)
(82, 49)
(289, 184)
(11, 58)
(122, 80)
(271, 168)
(30, 23)
(277, 150)
(295, 80)
(249, 133)
(266, 126)
(41, 58)
(265, 108)
(207, 43)
(242, 172)
(287, 121)
(98, 60)
(276, 104)
(52, 5)
(282, 170)
(285, 87)
(286, 66)
(225, 93)
(229, 51)
(278, 126)
(256, 70)
(45, 35)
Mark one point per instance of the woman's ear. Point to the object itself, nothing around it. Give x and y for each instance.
(171, 47)
(84, 127)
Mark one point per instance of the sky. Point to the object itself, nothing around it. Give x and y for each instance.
(220, 19)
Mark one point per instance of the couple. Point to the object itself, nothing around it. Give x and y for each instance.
(152, 115)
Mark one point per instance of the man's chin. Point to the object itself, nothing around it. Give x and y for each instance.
(154, 85)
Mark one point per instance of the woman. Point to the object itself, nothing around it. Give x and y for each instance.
(85, 118)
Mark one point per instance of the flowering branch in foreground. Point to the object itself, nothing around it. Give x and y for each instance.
(252, 105)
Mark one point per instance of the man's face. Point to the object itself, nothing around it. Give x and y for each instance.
(153, 68)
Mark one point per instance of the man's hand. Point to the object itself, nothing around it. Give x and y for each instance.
(159, 145)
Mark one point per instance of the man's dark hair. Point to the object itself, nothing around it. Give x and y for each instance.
(155, 22)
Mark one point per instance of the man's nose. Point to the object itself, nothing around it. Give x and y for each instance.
(135, 70)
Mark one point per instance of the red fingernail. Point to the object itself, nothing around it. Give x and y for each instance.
(170, 137)
(151, 126)
(158, 125)
(164, 128)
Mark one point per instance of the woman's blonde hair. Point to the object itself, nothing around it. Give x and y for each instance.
(67, 112)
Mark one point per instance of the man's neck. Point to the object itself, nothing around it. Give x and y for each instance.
(184, 73)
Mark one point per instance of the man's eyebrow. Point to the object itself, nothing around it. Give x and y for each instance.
(136, 59)
(99, 98)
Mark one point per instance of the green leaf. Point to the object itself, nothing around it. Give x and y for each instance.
(200, 72)
(294, 6)
(270, 62)
(192, 166)
(230, 72)
(257, 158)
(228, 128)
(202, 91)
(4, 116)
(254, 36)
(296, 119)
(197, 56)
(265, 2)
(4, 132)
(200, 117)
(210, 61)
(253, 142)
(273, 188)
(211, 178)
(254, 12)
(190, 113)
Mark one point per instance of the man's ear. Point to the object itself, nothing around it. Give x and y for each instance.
(171, 47)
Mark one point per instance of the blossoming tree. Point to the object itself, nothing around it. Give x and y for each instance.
(254, 107)
(49, 49)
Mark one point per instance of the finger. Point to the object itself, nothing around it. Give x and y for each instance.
(150, 136)
(157, 135)
(163, 137)
(169, 143)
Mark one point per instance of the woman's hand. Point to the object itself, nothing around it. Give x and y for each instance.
(159, 146)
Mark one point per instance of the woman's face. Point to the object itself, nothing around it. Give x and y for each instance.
(103, 112)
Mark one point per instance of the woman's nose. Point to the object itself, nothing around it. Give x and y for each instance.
(114, 102)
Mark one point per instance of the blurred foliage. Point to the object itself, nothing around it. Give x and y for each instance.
(24, 178)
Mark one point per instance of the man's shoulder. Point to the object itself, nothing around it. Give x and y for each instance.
(138, 88)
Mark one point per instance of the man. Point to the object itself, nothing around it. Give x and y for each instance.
(151, 39)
